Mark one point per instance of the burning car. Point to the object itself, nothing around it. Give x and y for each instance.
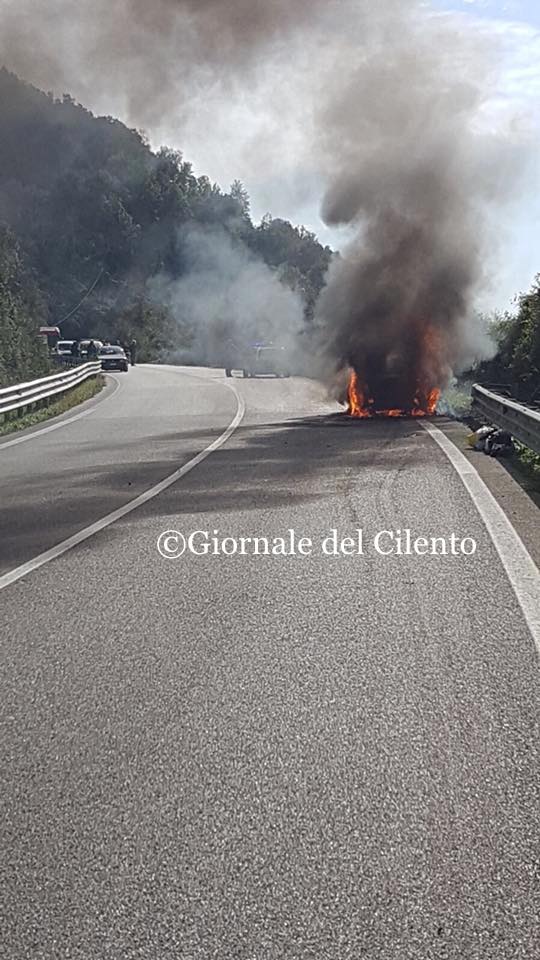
(397, 384)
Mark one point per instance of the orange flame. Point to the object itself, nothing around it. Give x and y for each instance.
(426, 397)
(425, 402)
(358, 407)
(429, 407)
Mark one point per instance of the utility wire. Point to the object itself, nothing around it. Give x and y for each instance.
(87, 294)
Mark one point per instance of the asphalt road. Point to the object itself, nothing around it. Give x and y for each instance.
(259, 757)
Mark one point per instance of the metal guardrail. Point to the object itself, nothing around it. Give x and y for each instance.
(23, 395)
(521, 421)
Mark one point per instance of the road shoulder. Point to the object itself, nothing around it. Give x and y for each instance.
(76, 412)
(518, 506)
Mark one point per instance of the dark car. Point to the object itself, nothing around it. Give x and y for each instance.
(113, 358)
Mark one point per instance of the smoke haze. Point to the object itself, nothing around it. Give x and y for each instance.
(228, 300)
(154, 56)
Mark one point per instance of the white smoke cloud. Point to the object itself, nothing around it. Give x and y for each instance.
(228, 300)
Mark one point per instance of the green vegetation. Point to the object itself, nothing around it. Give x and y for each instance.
(86, 390)
(22, 355)
(92, 217)
(516, 365)
(456, 399)
(528, 464)
(517, 362)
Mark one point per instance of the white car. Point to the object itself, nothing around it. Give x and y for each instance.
(63, 348)
(266, 360)
(85, 344)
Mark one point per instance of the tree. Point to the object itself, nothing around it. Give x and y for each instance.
(149, 324)
(517, 336)
(525, 338)
(240, 195)
(22, 354)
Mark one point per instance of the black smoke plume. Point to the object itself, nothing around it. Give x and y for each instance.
(415, 170)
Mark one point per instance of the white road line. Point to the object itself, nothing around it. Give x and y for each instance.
(520, 568)
(82, 535)
(60, 423)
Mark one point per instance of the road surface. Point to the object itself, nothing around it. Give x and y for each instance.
(259, 757)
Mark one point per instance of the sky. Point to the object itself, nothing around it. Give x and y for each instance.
(231, 147)
(516, 25)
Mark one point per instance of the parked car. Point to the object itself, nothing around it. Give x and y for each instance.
(265, 361)
(63, 348)
(113, 358)
(84, 345)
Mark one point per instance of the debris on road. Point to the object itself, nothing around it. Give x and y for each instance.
(490, 440)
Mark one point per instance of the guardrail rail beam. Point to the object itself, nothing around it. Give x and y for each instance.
(21, 396)
(521, 421)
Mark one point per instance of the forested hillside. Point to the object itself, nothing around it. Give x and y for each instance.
(90, 216)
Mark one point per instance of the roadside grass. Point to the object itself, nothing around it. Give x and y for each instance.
(85, 391)
(527, 462)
